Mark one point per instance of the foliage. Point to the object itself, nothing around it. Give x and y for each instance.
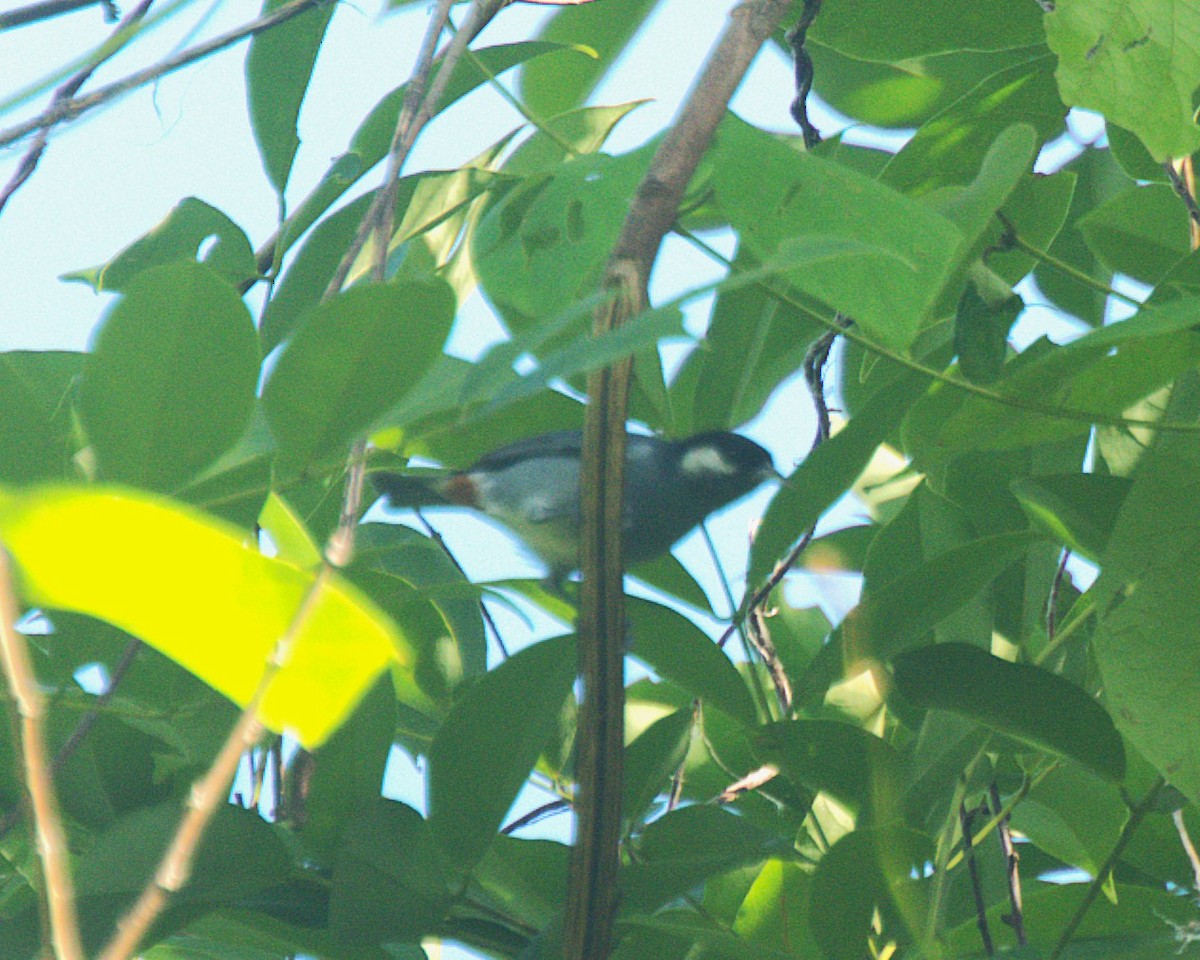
(142, 483)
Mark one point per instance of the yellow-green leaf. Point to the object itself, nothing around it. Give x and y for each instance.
(204, 596)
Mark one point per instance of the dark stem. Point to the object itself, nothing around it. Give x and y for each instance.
(48, 9)
(985, 934)
(803, 71)
(1012, 866)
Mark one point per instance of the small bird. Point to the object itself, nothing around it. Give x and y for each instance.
(532, 487)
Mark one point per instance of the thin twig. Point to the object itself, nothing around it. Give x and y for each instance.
(208, 793)
(1189, 848)
(378, 217)
(47, 823)
(28, 163)
(533, 816)
(83, 728)
(1052, 597)
(761, 638)
(814, 364)
(803, 72)
(1179, 178)
(1012, 866)
(70, 109)
(48, 9)
(751, 781)
(900, 359)
(1136, 815)
(436, 536)
(985, 934)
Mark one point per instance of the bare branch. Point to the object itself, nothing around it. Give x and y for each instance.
(71, 108)
(47, 824)
(33, 155)
(48, 9)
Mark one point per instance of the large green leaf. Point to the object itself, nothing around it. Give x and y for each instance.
(388, 884)
(950, 147)
(1141, 232)
(544, 245)
(279, 66)
(484, 751)
(1145, 643)
(675, 648)
(903, 610)
(1135, 61)
(171, 380)
(851, 242)
(35, 430)
(907, 93)
(554, 84)
(1023, 701)
(194, 589)
(894, 30)
(351, 359)
(183, 235)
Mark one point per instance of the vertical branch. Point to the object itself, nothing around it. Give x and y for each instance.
(592, 896)
(1012, 866)
(47, 824)
(968, 840)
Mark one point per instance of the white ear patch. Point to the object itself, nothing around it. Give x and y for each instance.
(706, 460)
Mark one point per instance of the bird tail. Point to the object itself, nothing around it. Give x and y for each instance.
(408, 490)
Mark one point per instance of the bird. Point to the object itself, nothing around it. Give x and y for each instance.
(532, 487)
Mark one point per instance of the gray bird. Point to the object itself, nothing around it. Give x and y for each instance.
(532, 487)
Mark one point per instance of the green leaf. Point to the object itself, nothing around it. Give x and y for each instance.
(1074, 816)
(951, 146)
(855, 767)
(180, 237)
(484, 751)
(345, 777)
(1144, 643)
(194, 590)
(893, 30)
(827, 473)
(905, 609)
(279, 66)
(351, 359)
(543, 246)
(864, 870)
(552, 85)
(1078, 509)
(1135, 61)
(1099, 178)
(907, 93)
(755, 339)
(388, 883)
(35, 431)
(1141, 232)
(370, 142)
(653, 759)
(1022, 701)
(1099, 375)
(981, 334)
(675, 648)
(528, 877)
(841, 237)
(773, 911)
(171, 380)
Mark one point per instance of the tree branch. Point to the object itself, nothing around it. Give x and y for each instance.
(47, 824)
(592, 897)
(69, 109)
(48, 9)
(65, 92)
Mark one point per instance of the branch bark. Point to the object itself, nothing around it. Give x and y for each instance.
(593, 894)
